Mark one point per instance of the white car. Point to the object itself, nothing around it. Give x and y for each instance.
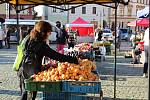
(107, 34)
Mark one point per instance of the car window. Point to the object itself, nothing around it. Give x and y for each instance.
(124, 30)
(106, 31)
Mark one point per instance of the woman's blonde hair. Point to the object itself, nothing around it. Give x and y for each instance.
(40, 31)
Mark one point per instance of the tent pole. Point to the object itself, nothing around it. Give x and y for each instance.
(115, 51)
(68, 14)
(17, 12)
(148, 65)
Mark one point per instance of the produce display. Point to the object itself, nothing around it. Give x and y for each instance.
(69, 71)
(96, 44)
(83, 47)
(83, 51)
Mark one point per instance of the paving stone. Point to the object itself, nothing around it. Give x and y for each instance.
(130, 84)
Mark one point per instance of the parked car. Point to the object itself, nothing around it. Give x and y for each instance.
(13, 38)
(12, 22)
(124, 33)
(107, 33)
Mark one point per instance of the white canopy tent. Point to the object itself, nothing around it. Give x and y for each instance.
(143, 13)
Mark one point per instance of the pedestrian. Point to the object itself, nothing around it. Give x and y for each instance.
(61, 37)
(98, 33)
(2, 37)
(118, 38)
(36, 44)
(8, 37)
(146, 48)
(71, 39)
(135, 38)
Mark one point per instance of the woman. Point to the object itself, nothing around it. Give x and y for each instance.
(37, 44)
(146, 48)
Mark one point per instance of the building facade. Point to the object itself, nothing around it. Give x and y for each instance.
(11, 14)
(92, 13)
(97, 14)
(127, 13)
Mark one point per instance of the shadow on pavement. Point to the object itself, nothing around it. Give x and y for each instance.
(10, 92)
(123, 66)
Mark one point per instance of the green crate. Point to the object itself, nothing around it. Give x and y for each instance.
(31, 85)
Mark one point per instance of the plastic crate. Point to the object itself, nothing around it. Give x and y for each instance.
(65, 96)
(42, 86)
(82, 86)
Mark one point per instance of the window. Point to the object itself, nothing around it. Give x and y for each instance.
(147, 1)
(72, 10)
(83, 10)
(94, 10)
(130, 10)
(121, 10)
(21, 7)
(53, 9)
(62, 7)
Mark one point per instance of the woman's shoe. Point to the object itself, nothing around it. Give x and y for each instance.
(145, 75)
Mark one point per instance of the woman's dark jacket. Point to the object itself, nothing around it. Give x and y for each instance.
(45, 50)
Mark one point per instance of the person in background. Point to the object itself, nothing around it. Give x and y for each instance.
(71, 39)
(98, 33)
(146, 48)
(8, 37)
(37, 39)
(135, 38)
(77, 32)
(2, 37)
(61, 37)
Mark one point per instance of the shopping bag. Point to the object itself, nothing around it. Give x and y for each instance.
(18, 59)
(20, 54)
(3, 43)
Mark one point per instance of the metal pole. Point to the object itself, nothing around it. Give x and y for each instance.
(149, 64)
(115, 51)
(17, 12)
(68, 15)
(9, 12)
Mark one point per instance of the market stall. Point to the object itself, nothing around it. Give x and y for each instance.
(16, 3)
(66, 81)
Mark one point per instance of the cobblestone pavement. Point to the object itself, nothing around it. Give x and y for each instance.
(130, 83)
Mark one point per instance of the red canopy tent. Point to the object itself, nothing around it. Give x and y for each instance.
(83, 27)
(143, 22)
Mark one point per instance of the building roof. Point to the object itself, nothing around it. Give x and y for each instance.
(79, 20)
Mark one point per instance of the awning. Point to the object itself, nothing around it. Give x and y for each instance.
(58, 2)
(141, 22)
(133, 23)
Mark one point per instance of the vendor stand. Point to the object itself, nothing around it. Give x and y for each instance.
(67, 81)
(101, 48)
